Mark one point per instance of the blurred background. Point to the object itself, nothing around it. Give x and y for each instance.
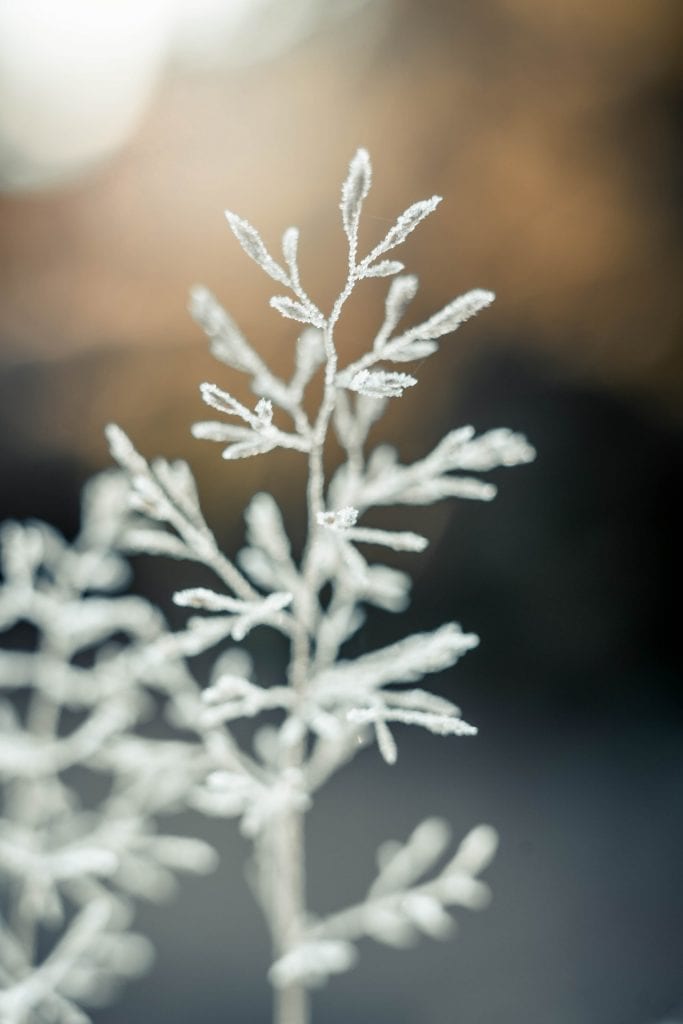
(126, 128)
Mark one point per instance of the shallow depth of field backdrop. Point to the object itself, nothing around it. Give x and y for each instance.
(549, 128)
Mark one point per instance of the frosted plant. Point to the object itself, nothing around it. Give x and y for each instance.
(70, 870)
(103, 664)
(326, 703)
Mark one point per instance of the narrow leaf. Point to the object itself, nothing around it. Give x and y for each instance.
(293, 310)
(405, 224)
(385, 268)
(380, 384)
(354, 191)
(252, 243)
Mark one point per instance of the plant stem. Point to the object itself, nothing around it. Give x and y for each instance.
(288, 880)
(292, 1003)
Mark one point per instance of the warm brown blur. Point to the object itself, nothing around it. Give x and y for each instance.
(548, 128)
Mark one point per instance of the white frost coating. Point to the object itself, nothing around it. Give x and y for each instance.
(310, 715)
(74, 870)
(380, 384)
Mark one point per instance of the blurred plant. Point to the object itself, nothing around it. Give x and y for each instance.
(326, 705)
(68, 711)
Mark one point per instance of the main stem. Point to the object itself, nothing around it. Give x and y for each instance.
(288, 880)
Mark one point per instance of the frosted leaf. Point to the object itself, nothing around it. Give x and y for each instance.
(227, 343)
(311, 963)
(401, 293)
(184, 853)
(398, 541)
(223, 401)
(208, 600)
(449, 318)
(266, 529)
(305, 313)
(438, 488)
(263, 435)
(476, 851)
(251, 445)
(228, 688)
(21, 552)
(246, 440)
(290, 246)
(385, 741)
(460, 449)
(154, 542)
(408, 352)
(261, 569)
(123, 450)
(441, 725)
(385, 268)
(310, 354)
(387, 588)
(252, 243)
(381, 384)
(244, 614)
(232, 697)
(403, 662)
(354, 191)
(353, 423)
(405, 224)
(428, 915)
(178, 481)
(385, 923)
(404, 863)
(104, 505)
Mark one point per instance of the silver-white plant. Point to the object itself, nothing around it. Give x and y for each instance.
(327, 705)
(70, 870)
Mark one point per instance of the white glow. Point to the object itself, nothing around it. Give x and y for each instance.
(76, 76)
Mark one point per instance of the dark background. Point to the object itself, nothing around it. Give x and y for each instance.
(550, 129)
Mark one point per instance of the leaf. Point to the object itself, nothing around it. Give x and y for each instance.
(386, 742)
(403, 864)
(380, 384)
(354, 190)
(223, 401)
(401, 293)
(208, 600)
(397, 541)
(438, 488)
(253, 445)
(405, 224)
(252, 243)
(290, 247)
(123, 451)
(293, 310)
(178, 481)
(451, 316)
(266, 529)
(399, 352)
(155, 542)
(385, 268)
(212, 430)
(403, 662)
(310, 354)
(227, 343)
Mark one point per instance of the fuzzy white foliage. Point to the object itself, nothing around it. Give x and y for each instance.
(321, 709)
(72, 872)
